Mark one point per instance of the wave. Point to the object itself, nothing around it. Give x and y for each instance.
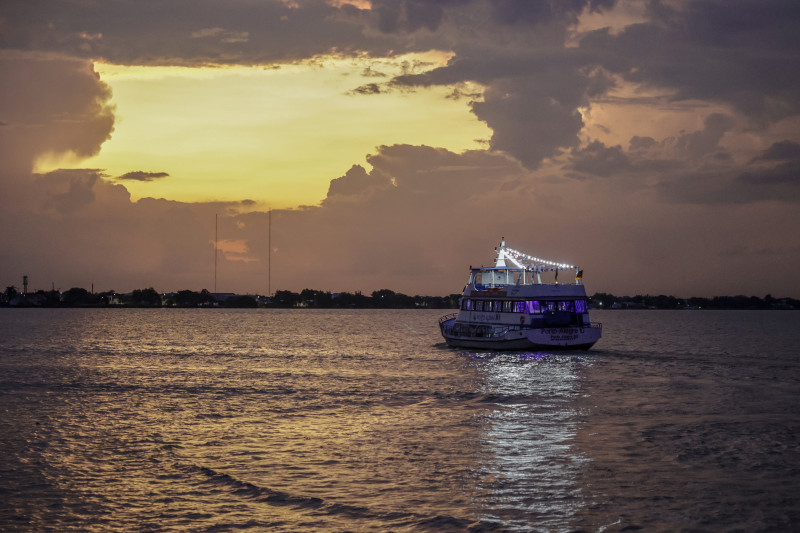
(319, 506)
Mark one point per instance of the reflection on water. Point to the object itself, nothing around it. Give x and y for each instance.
(529, 470)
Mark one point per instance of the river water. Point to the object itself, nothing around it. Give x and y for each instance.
(362, 420)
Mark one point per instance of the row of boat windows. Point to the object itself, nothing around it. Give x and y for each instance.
(530, 307)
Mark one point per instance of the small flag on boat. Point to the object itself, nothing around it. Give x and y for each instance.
(579, 275)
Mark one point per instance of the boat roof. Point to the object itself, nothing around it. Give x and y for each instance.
(522, 278)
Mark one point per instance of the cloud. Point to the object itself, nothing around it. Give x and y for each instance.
(770, 177)
(140, 175)
(412, 15)
(787, 151)
(743, 54)
(70, 190)
(368, 88)
(193, 32)
(600, 160)
(356, 181)
(517, 12)
(51, 105)
(223, 35)
(413, 222)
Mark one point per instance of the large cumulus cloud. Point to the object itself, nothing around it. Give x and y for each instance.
(50, 104)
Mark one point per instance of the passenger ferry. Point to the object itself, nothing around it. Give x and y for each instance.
(509, 308)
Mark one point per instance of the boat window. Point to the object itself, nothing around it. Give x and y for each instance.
(477, 305)
(507, 306)
(466, 304)
(519, 307)
(533, 307)
(565, 306)
(550, 306)
(580, 306)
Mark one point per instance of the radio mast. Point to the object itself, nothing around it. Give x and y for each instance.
(269, 255)
(216, 237)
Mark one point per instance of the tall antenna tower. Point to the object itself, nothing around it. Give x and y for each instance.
(216, 238)
(24, 285)
(269, 255)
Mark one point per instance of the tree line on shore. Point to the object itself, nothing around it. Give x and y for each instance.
(149, 297)
(381, 299)
(603, 300)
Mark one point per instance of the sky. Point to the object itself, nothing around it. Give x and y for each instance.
(654, 143)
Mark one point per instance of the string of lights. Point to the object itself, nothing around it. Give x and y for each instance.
(523, 260)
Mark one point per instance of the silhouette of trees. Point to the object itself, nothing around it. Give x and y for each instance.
(78, 297)
(145, 298)
(188, 298)
(240, 301)
(286, 299)
(10, 293)
(609, 301)
(387, 299)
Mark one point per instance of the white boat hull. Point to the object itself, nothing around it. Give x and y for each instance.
(552, 338)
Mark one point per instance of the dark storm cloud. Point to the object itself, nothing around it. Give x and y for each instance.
(772, 176)
(693, 168)
(412, 15)
(532, 96)
(534, 85)
(198, 32)
(700, 143)
(543, 11)
(744, 53)
(781, 151)
(730, 187)
(778, 167)
(600, 160)
(140, 175)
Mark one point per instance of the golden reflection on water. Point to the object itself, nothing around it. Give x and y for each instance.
(229, 422)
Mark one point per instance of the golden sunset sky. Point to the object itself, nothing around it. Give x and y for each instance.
(268, 134)
(656, 144)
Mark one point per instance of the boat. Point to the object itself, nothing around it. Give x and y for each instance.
(508, 307)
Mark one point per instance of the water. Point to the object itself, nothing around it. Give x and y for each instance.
(316, 420)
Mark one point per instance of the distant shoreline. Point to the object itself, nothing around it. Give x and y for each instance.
(77, 297)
